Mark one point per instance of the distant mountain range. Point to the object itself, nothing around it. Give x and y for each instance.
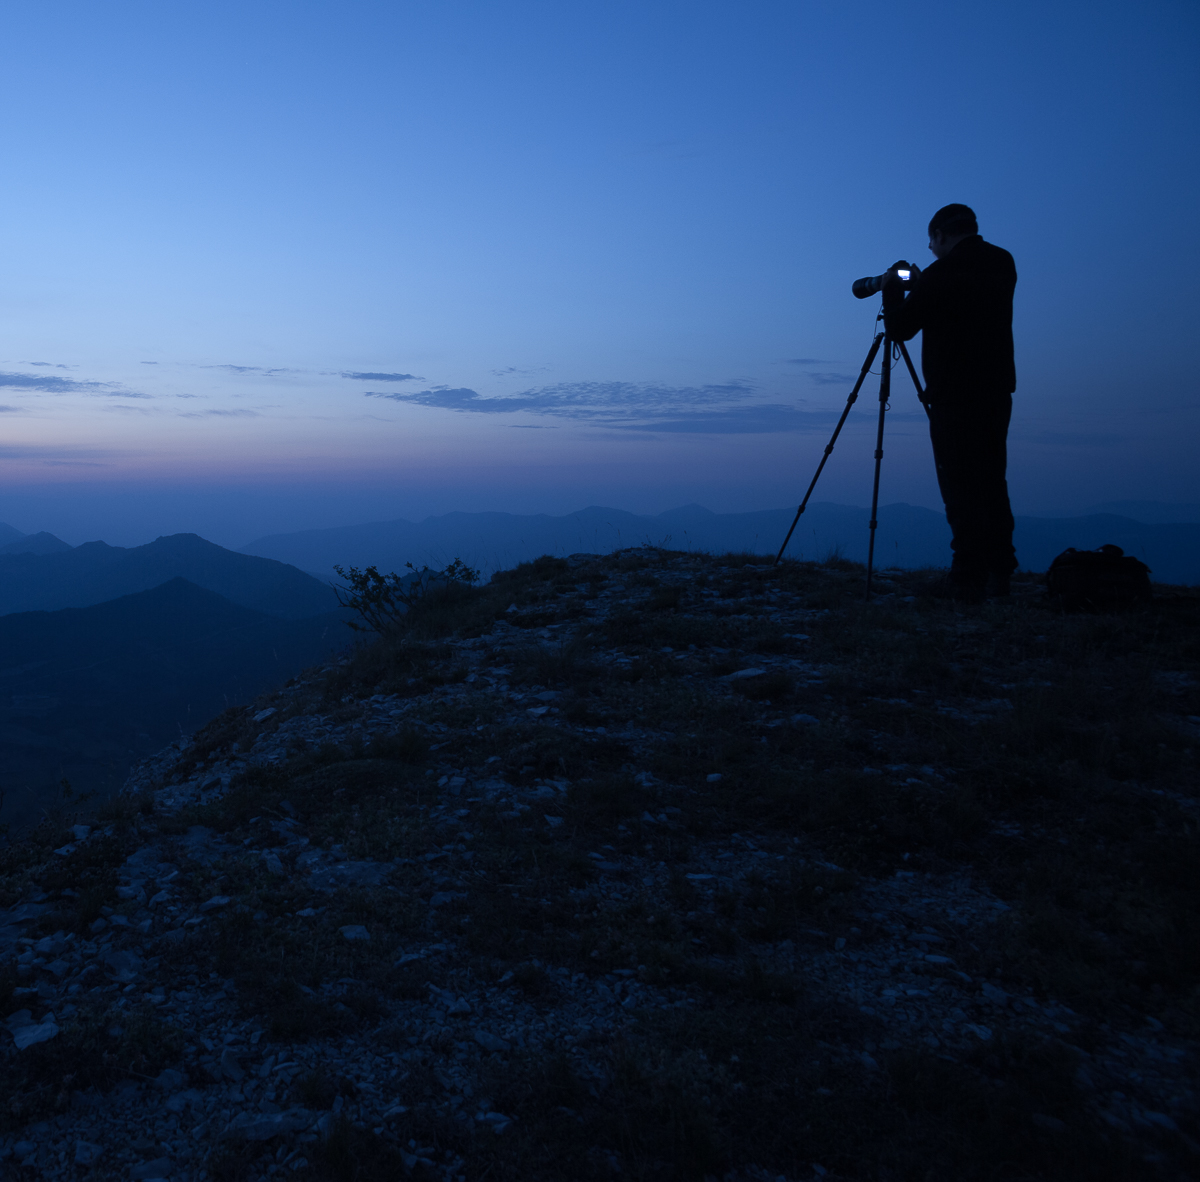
(908, 536)
(48, 575)
(42, 543)
(1151, 512)
(85, 692)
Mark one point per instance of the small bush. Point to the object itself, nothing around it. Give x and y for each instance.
(382, 601)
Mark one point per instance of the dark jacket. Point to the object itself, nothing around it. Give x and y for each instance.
(963, 304)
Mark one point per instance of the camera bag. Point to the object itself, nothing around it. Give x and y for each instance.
(1103, 578)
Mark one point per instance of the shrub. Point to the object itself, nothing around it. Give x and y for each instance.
(382, 601)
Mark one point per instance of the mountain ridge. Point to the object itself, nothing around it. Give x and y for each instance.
(909, 536)
(39, 543)
(96, 572)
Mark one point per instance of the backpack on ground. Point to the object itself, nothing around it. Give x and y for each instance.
(1104, 578)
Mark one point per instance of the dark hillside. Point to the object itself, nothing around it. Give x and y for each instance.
(96, 572)
(656, 866)
(85, 692)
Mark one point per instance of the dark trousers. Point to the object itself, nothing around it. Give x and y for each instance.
(969, 432)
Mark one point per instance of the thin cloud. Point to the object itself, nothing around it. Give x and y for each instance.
(464, 399)
(830, 379)
(383, 377)
(509, 370)
(140, 410)
(236, 413)
(637, 396)
(50, 384)
(39, 453)
(768, 419)
(807, 361)
(4, 410)
(270, 373)
(631, 407)
(49, 364)
(149, 363)
(579, 400)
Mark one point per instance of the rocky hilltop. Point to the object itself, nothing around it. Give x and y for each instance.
(653, 865)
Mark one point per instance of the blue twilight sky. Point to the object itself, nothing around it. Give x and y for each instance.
(273, 265)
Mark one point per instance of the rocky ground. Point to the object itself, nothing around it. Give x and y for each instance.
(656, 865)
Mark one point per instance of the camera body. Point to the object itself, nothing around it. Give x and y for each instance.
(873, 284)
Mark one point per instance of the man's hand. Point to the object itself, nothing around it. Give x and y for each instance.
(893, 290)
(901, 265)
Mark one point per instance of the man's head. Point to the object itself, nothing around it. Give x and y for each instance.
(949, 226)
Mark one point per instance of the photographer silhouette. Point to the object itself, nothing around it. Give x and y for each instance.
(962, 303)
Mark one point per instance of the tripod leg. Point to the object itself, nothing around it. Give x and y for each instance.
(885, 390)
(912, 373)
(862, 377)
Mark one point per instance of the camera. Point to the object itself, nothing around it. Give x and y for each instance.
(873, 284)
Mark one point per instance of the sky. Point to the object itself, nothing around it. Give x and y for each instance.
(270, 266)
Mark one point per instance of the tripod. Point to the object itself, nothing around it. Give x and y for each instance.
(885, 389)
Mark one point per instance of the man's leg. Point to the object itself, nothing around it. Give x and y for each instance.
(969, 436)
(995, 519)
